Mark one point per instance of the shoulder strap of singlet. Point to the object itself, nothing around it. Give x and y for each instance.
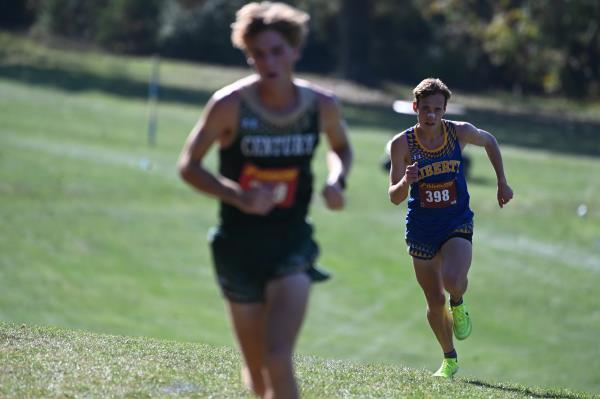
(450, 129)
(306, 98)
(412, 142)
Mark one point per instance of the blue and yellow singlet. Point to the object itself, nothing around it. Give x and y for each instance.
(438, 203)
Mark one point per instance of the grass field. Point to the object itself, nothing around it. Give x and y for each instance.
(70, 363)
(98, 233)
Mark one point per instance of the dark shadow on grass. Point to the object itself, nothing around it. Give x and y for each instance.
(79, 81)
(551, 133)
(554, 133)
(523, 391)
(377, 116)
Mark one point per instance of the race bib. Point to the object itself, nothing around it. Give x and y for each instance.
(437, 195)
(283, 181)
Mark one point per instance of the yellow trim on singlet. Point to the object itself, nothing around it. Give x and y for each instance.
(441, 147)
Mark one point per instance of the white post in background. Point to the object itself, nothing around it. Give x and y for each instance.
(153, 85)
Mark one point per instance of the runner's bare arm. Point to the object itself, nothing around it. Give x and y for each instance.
(402, 173)
(469, 134)
(339, 156)
(217, 124)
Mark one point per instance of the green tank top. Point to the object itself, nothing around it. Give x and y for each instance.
(275, 151)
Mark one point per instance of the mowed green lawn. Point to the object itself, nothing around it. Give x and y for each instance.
(98, 233)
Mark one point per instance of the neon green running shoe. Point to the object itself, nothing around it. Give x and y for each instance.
(461, 324)
(448, 368)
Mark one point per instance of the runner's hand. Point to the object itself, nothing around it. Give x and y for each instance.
(333, 196)
(505, 194)
(258, 200)
(412, 173)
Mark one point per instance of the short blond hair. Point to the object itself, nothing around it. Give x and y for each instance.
(429, 87)
(254, 18)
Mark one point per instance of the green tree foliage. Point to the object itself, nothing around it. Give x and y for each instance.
(71, 18)
(118, 25)
(572, 28)
(321, 52)
(401, 42)
(543, 46)
(129, 25)
(199, 31)
(536, 45)
(511, 41)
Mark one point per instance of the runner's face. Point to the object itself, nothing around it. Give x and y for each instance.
(430, 110)
(272, 57)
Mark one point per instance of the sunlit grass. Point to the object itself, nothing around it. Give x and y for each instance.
(98, 233)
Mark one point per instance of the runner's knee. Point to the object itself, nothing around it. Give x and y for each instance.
(455, 284)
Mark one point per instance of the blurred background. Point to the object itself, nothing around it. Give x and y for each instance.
(532, 46)
(98, 233)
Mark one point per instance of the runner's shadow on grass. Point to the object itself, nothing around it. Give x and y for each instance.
(80, 81)
(523, 391)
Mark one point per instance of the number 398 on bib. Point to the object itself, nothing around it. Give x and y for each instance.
(437, 195)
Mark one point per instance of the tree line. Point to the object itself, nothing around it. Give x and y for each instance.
(529, 46)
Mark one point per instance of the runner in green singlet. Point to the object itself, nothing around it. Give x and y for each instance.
(267, 127)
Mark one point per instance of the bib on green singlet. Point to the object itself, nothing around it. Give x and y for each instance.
(282, 180)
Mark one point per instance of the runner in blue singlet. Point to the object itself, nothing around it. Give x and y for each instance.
(427, 167)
